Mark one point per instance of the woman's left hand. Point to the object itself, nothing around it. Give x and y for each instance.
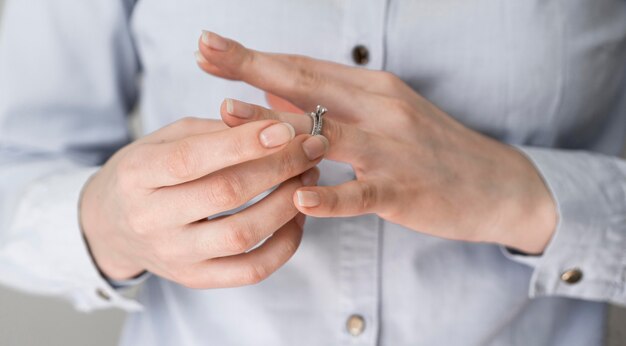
(415, 165)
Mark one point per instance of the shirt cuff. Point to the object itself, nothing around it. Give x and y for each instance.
(46, 251)
(529, 260)
(586, 257)
(130, 283)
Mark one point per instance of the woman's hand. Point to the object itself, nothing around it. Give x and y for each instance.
(147, 208)
(415, 165)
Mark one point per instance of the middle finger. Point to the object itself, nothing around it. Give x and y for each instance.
(294, 78)
(233, 186)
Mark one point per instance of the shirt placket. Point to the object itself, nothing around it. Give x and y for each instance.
(363, 45)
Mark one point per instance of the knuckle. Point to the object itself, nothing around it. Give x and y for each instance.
(239, 238)
(179, 161)
(305, 79)
(396, 193)
(369, 196)
(331, 201)
(267, 114)
(288, 163)
(403, 113)
(127, 169)
(291, 244)
(186, 123)
(387, 80)
(254, 273)
(224, 190)
(401, 107)
(140, 223)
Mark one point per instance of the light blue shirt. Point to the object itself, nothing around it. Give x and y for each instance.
(545, 75)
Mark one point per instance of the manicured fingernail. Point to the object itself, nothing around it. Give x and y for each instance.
(315, 147)
(214, 41)
(308, 199)
(205, 37)
(239, 109)
(308, 178)
(277, 134)
(300, 220)
(199, 58)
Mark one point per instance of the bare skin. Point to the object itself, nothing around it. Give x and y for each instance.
(415, 165)
(147, 207)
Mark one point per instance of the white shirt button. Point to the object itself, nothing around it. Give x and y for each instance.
(355, 325)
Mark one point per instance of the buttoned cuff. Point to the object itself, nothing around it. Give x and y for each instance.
(130, 283)
(47, 251)
(586, 257)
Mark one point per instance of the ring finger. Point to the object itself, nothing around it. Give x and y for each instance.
(347, 142)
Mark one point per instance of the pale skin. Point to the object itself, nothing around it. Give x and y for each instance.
(415, 165)
(147, 207)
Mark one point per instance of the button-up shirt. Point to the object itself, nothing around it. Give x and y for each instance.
(547, 76)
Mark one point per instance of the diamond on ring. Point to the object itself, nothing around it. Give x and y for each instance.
(317, 119)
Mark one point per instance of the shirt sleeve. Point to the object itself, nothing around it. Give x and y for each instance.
(68, 80)
(586, 257)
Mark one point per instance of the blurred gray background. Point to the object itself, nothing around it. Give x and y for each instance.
(31, 320)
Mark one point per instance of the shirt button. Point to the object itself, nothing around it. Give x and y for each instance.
(360, 55)
(572, 276)
(355, 325)
(103, 295)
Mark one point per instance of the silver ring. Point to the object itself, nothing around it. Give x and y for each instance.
(317, 120)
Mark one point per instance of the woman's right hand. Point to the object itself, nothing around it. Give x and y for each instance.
(147, 207)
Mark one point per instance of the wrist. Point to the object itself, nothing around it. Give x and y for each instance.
(110, 268)
(109, 263)
(531, 214)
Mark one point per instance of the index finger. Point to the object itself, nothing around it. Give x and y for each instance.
(370, 80)
(295, 78)
(189, 158)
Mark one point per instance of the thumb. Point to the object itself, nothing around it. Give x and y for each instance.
(348, 199)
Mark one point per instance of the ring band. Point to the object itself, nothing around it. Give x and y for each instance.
(317, 120)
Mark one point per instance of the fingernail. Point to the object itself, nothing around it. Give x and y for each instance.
(239, 109)
(308, 178)
(277, 134)
(214, 41)
(315, 147)
(199, 58)
(205, 37)
(308, 198)
(300, 220)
